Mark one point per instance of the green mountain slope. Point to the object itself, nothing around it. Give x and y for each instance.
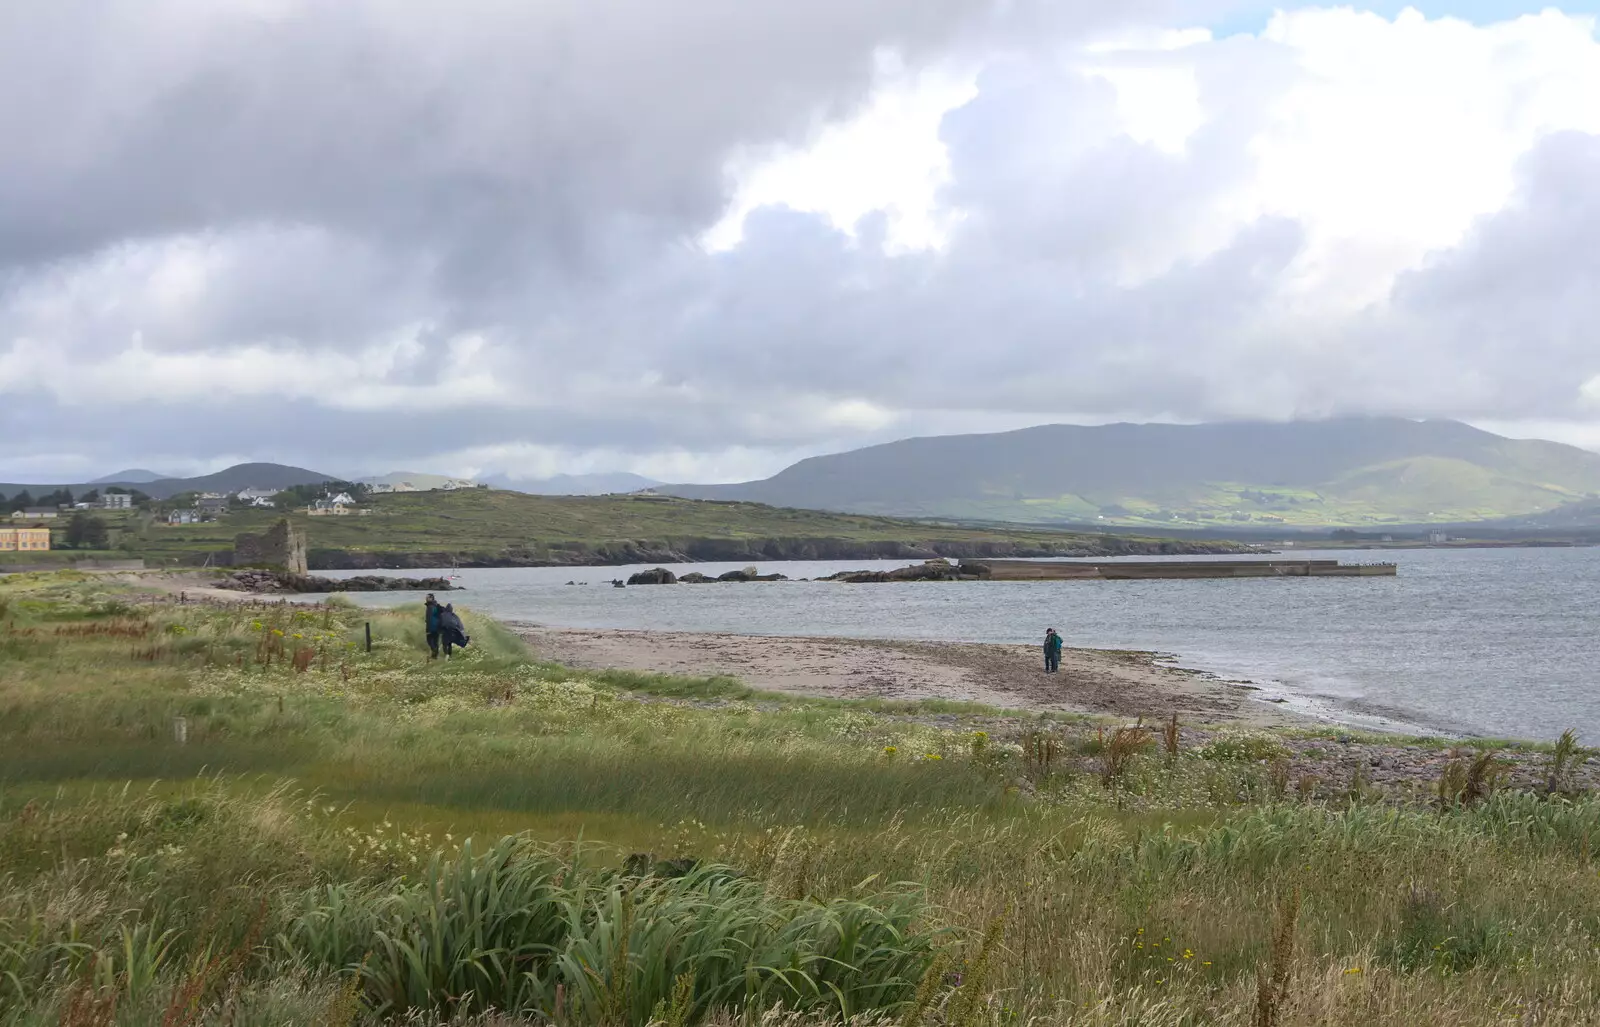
(1366, 471)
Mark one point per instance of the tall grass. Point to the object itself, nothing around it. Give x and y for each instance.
(833, 861)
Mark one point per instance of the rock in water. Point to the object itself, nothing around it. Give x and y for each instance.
(654, 576)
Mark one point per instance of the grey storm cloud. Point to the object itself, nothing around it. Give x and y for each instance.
(422, 230)
(481, 131)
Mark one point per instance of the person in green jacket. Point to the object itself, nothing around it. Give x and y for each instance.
(1052, 651)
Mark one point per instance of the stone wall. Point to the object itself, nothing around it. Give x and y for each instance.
(280, 547)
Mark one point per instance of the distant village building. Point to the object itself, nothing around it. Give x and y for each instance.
(36, 513)
(212, 506)
(116, 501)
(430, 484)
(184, 517)
(1438, 537)
(337, 505)
(30, 540)
(256, 497)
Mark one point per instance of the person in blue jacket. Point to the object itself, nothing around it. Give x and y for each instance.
(430, 619)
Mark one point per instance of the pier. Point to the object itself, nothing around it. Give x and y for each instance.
(1114, 570)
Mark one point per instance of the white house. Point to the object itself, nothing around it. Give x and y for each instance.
(184, 517)
(341, 499)
(116, 501)
(251, 496)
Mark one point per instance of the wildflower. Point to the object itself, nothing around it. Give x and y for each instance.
(933, 756)
(1206, 963)
(1188, 953)
(1352, 970)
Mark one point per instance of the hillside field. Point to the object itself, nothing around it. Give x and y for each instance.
(482, 525)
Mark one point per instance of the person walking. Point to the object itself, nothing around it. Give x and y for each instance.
(1052, 651)
(431, 610)
(451, 631)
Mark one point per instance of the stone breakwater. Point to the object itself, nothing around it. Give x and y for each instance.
(282, 582)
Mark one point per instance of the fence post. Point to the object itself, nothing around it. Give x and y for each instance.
(180, 730)
(369, 636)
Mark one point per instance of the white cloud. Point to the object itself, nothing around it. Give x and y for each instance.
(888, 158)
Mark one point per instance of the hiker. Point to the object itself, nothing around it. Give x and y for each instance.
(430, 620)
(1052, 651)
(451, 631)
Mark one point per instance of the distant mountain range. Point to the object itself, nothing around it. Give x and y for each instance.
(1249, 476)
(1346, 472)
(232, 479)
(418, 481)
(278, 476)
(131, 477)
(572, 484)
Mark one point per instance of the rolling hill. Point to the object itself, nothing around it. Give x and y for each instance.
(133, 476)
(231, 479)
(1347, 472)
(494, 528)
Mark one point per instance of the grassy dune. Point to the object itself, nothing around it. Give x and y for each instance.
(353, 837)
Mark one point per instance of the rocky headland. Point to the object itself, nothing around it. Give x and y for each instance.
(761, 550)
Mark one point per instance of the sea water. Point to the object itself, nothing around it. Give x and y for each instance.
(1496, 642)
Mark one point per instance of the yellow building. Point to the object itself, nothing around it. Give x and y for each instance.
(30, 540)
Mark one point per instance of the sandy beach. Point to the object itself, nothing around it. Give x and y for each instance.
(1126, 684)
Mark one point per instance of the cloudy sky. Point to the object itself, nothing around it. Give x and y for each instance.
(698, 240)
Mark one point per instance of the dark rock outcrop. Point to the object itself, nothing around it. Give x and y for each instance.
(655, 576)
(282, 582)
(928, 570)
(750, 574)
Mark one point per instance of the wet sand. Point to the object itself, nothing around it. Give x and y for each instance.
(1095, 681)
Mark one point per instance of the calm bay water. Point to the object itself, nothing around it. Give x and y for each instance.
(1502, 642)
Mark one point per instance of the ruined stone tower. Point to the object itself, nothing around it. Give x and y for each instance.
(280, 547)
